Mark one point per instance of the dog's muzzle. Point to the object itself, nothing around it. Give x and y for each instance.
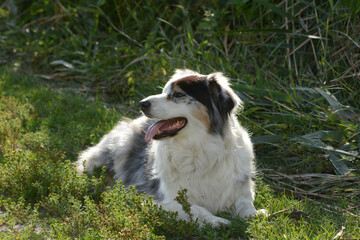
(145, 106)
(162, 128)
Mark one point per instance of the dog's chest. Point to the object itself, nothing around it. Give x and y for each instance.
(197, 158)
(207, 174)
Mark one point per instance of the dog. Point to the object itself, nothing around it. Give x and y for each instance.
(188, 139)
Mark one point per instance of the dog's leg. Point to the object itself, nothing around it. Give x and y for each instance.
(198, 212)
(244, 208)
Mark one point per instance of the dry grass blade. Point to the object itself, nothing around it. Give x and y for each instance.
(338, 235)
(315, 184)
(284, 210)
(136, 60)
(300, 192)
(333, 209)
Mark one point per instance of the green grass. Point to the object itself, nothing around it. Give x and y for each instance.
(73, 69)
(41, 190)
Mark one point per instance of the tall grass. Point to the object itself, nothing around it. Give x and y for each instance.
(113, 45)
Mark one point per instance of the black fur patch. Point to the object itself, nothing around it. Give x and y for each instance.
(137, 168)
(198, 88)
(221, 98)
(108, 159)
(209, 93)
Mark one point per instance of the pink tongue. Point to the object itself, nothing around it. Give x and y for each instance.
(153, 130)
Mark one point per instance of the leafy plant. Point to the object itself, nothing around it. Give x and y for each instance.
(182, 199)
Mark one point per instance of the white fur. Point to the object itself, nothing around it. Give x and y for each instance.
(216, 170)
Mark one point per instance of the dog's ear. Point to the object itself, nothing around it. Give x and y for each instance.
(221, 97)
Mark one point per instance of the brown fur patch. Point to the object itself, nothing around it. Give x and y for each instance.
(176, 87)
(188, 79)
(201, 114)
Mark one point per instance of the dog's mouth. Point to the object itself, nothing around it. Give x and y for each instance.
(165, 128)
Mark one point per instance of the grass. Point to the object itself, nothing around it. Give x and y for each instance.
(34, 168)
(73, 69)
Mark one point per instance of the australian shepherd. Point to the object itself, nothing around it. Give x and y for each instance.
(188, 139)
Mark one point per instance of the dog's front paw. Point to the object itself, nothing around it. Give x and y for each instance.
(217, 221)
(262, 212)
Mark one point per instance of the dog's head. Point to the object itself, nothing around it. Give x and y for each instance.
(191, 100)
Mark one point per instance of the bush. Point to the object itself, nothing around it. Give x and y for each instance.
(37, 178)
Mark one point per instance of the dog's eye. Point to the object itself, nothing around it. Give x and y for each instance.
(178, 94)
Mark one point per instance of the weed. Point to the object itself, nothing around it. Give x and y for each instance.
(182, 199)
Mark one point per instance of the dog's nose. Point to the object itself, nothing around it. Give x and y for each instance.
(145, 105)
